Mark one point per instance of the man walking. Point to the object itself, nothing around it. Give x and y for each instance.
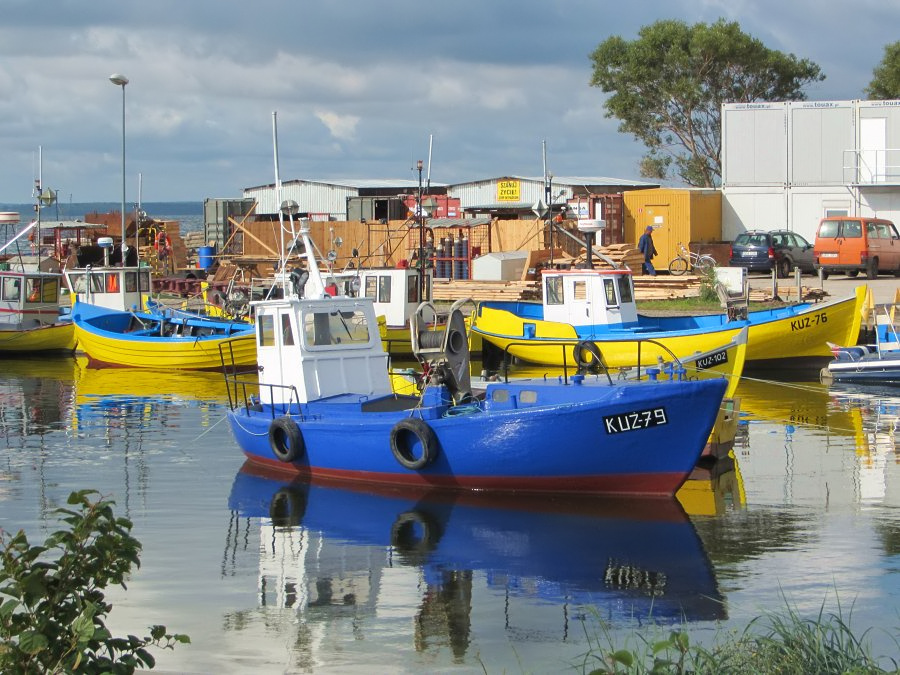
(645, 246)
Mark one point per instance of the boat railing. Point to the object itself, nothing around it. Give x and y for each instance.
(594, 349)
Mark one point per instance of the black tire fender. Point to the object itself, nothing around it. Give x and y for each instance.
(405, 434)
(285, 439)
(587, 355)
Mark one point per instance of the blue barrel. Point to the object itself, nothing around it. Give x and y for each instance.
(206, 257)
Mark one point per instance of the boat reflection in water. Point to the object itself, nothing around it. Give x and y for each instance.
(849, 438)
(101, 393)
(35, 395)
(323, 546)
(836, 412)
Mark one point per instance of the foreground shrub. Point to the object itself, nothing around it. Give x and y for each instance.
(52, 606)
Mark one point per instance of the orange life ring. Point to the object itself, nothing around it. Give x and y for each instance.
(162, 242)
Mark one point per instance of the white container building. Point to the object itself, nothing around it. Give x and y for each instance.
(786, 165)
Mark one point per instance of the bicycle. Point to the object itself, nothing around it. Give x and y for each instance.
(688, 260)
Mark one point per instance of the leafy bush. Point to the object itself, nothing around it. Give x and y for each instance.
(52, 607)
(708, 281)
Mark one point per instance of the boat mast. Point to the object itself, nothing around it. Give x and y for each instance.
(315, 285)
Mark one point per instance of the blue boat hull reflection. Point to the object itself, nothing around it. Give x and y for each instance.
(632, 559)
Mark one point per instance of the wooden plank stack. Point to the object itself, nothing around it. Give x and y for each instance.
(447, 290)
(621, 254)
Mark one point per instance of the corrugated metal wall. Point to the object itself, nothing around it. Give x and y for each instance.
(479, 193)
(323, 199)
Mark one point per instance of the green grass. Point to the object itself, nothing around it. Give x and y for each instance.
(784, 643)
(696, 304)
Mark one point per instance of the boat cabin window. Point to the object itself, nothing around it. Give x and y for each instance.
(12, 288)
(334, 328)
(112, 282)
(41, 290)
(265, 330)
(609, 285)
(378, 287)
(130, 282)
(626, 290)
(579, 290)
(384, 288)
(412, 289)
(372, 288)
(287, 331)
(553, 290)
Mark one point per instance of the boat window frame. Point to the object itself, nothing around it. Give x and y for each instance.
(265, 330)
(610, 291)
(412, 288)
(287, 330)
(579, 289)
(111, 282)
(384, 288)
(553, 290)
(627, 284)
(371, 287)
(10, 283)
(325, 334)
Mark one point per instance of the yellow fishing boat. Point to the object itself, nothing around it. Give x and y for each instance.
(112, 330)
(589, 312)
(725, 360)
(32, 318)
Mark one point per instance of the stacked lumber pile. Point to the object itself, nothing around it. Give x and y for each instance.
(446, 290)
(664, 287)
(645, 288)
(622, 254)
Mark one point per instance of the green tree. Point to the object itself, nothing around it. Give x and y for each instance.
(52, 608)
(669, 84)
(885, 82)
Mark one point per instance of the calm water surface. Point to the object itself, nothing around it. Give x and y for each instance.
(267, 576)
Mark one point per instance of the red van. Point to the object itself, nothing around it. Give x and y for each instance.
(855, 244)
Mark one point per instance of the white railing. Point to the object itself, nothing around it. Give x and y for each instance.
(872, 166)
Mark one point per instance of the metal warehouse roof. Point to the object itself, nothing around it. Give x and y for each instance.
(574, 180)
(357, 183)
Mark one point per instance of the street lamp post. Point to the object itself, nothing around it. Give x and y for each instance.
(421, 221)
(120, 81)
(548, 195)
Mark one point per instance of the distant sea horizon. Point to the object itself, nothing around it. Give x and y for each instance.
(189, 214)
(77, 210)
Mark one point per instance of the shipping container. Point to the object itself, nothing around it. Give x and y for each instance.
(692, 216)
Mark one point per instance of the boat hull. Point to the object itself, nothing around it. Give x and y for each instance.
(103, 337)
(885, 370)
(776, 337)
(57, 337)
(640, 438)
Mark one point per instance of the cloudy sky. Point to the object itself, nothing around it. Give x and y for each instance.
(359, 87)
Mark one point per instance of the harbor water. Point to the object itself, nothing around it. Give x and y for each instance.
(273, 577)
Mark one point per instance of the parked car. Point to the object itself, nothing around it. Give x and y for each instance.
(781, 250)
(852, 245)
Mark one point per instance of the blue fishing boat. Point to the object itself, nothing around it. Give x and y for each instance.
(631, 558)
(877, 363)
(325, 408)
